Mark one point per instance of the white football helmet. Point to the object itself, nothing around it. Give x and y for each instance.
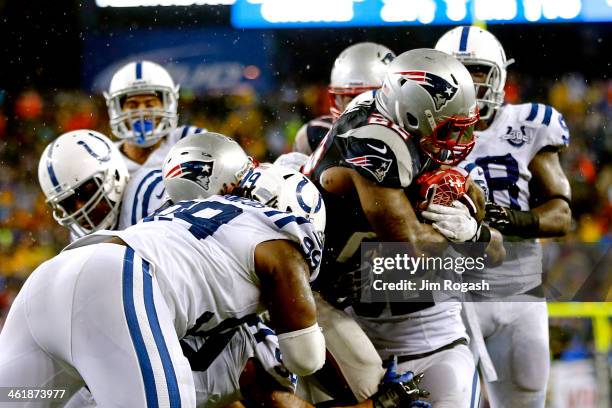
(478, 49)
(431, 95)
(292, 160)
(83, 166)
(359, 68)
(202, 165)
(143, 127)
(286, 190)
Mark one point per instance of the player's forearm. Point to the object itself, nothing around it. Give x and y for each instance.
(555, 218)
(495, 252)
(423, 238)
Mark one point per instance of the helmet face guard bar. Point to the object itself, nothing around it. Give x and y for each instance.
(143, 126)
(451, 141)
(488, 95)
(336, 94)
(79, 221)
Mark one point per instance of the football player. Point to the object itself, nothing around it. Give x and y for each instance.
(109, 310)
(142, 103)
(83, 176)
(285, 190)
(518, 148)
(359, 68)
(422, 117)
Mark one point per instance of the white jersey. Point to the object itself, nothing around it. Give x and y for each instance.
(202, 254)
(504, 152)
(145, 191)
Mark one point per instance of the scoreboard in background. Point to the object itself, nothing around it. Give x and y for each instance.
(351, 13)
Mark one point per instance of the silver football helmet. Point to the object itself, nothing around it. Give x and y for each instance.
(479, 51)
(431, 95)
(83, 175)
(202, 165)
(145, 126)
(286, 190)
(359, 68)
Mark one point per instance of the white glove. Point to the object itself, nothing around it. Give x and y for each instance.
(455, 222)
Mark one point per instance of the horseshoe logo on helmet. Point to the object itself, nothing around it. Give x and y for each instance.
(104, 158)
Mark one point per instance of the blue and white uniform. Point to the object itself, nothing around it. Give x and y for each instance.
(504, 152)
(145, 191)
(111, 316)
(515, 332)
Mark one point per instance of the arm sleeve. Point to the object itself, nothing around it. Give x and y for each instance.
(552, 130)
(381, 155)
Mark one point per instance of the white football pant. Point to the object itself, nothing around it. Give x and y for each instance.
(450, 377)
(95, 315)
(516, 336)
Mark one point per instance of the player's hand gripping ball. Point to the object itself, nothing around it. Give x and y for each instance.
(442, 187)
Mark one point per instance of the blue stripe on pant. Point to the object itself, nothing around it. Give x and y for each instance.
(475, 399)
(137, 338)
(171, 383)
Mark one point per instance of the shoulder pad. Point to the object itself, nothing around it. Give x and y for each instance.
(550, 124)
(380, 154)
(182, 131)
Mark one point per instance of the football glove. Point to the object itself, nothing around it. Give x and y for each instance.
(399, 390)
(454, 222)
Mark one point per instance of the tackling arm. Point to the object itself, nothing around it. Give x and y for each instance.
(286, 291)
(554, 214)
(553, 217)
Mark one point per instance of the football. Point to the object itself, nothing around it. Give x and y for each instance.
(442, 186)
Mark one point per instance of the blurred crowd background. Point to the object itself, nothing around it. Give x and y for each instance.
(46, 89)
(265, 125)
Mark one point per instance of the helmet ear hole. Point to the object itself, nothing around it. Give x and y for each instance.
(401, 81)
(412, 120)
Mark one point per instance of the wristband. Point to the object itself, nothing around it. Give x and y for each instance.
(524, 224)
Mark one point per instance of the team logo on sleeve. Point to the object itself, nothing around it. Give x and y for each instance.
(516, 137)
(378, 166)
(440, 90)
(196, 171)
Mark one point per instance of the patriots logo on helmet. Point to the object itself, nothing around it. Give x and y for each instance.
(378, 166)
(440, 90)
(196, 171)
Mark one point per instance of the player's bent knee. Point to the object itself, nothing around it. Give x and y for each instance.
(530, 365)
(303, 350)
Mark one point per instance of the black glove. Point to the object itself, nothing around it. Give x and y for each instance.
(518, 223)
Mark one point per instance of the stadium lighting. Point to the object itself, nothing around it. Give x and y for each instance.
(148, 3)
(281, 11)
